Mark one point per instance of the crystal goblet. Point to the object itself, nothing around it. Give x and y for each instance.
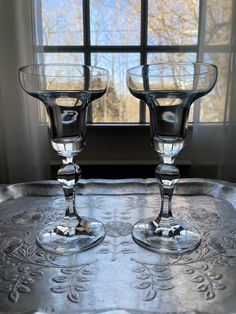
(169, 89)
(66, 91)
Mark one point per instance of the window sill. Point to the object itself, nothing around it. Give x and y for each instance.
(129, 144)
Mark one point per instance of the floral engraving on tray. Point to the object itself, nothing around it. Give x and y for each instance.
(24, 264)
(226, 243)
(19, 280)
(201, 268)
(115, 230)
(121, 210)
(205, 281)
(114, 248)
(72, 282)
(196, 267)
(203, 216)
(151, 278)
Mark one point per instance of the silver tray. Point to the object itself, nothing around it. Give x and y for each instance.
(118, 276)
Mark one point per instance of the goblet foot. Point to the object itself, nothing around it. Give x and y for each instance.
(71, 236)
(167, 236)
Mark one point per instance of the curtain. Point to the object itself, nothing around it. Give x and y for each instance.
(228, 162)
(213, 143)
(23, 141)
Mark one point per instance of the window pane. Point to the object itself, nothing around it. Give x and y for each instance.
(115, 22)
(118, 105)
(213, 104)
(218, 22)
(62, 22)
(171, 57)
(172, 22)
(60, 58)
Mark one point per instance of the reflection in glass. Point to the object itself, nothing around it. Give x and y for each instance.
(56, 57)
(169, 89)
(117, 105)
(154, 57)
(67, 91)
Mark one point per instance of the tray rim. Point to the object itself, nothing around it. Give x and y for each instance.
(189, 187)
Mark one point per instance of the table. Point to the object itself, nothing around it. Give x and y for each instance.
(118, 276)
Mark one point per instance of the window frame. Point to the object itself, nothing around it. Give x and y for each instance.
(101, 132)
(143, 49)
(87, 49)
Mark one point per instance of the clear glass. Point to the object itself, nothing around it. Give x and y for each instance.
(169, 89)
(173, 22)
(177, 57)
(56, 57)
(67, 91)
(120, 25)
(117, 106)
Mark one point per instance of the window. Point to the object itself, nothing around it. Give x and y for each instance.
(118, 34)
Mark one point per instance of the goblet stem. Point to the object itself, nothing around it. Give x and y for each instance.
(67, 91)
(167, 177)
(68, 175)
(169, 89)
(166, 199)
(73, 233)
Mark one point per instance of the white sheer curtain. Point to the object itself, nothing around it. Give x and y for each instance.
(23, 141)
(213, 143)
(228, 153)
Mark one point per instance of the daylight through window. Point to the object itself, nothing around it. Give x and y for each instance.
(118, 34)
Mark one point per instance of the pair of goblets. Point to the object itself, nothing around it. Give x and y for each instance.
(168, 89)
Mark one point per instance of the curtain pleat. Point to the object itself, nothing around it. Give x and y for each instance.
(213, 142)
(24, 142)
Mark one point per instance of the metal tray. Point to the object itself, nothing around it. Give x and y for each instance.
(118, 276)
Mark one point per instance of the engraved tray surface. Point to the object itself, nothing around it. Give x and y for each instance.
(118, 276)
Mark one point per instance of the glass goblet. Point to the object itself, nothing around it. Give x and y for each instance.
(169, 89)
(66, 91)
